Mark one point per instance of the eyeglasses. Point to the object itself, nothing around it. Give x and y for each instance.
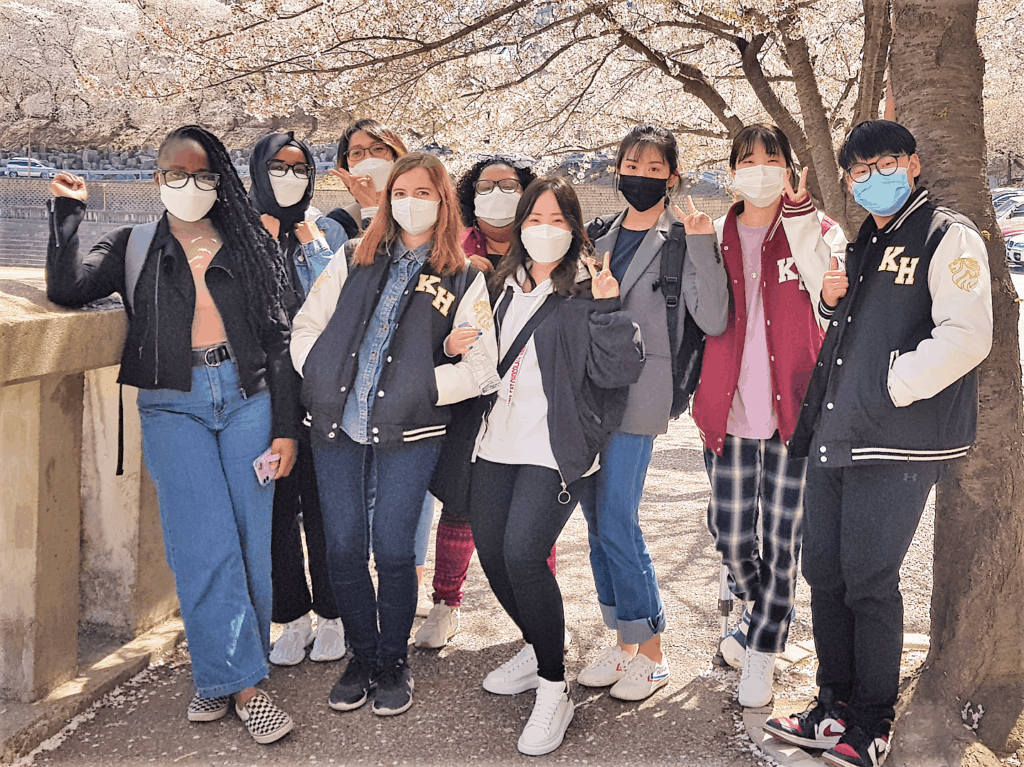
(885, 165)
(507, 185)
(176, 179)
(280, 168)
(374, 150)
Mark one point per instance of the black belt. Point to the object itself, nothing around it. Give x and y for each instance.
(211, 356)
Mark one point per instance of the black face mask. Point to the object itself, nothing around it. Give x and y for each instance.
(641, 192)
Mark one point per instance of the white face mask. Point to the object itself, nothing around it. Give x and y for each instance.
(496, 208)
(377, 169)
(546, 244)
(415, 216)
(760, 185)
(289, 188)
(189, 203)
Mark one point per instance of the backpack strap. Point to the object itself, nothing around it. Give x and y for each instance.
(139, 241)
(599, 227)
(670, 280)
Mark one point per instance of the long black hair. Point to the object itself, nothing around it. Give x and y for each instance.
(466, 188)
(260, 264)
(563, 276)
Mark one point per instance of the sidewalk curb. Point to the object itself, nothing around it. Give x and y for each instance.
(23, 726)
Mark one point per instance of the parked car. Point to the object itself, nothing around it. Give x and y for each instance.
(1015, 250)
(22, 166)
(1011, 222)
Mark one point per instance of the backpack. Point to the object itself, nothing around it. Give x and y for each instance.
(686, 363)
(135, 258)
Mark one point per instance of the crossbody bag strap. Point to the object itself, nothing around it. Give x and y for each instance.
(549, 305)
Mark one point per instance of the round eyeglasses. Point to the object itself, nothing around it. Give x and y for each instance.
(374, 150)
(885, 165)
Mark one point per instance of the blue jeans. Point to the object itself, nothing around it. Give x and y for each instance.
(627, 587)
(199, 448)
(423, 529)
(377, 624)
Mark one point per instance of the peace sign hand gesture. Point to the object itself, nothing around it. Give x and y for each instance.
(603, 284)
(801, 193)
(69, 185)
(360, 187)
(696, 222)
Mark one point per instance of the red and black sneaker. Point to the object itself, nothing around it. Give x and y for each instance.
(820, 726)
(859, 748)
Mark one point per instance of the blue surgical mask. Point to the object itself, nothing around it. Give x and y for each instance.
(883, 195)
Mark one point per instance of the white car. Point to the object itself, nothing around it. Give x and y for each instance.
(22, 166)
(1015, 250)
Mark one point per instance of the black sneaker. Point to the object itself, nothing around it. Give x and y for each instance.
(394, 688)
(352, 689)
(820, 726)
(860, 748)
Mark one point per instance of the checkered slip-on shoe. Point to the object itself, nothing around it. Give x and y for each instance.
(207, 709)
(265, 721)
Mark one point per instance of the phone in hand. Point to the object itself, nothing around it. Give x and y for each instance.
(266, 467)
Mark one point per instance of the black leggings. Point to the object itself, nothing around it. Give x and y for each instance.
(517, 518)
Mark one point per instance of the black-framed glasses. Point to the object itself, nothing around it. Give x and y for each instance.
(377, 150)
(280, 168)
(885, 165)
(507, 185)
(176, 179)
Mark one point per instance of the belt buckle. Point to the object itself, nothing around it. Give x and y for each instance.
(215, 359)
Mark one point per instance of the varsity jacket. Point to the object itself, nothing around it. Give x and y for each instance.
(895, 379)
(418, 380)
(794, 257)
(158, 347)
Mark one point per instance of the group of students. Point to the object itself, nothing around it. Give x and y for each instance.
(483, 341)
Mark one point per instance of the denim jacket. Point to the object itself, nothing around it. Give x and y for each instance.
(405, 265)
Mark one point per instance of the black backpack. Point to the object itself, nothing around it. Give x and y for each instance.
(686, 364)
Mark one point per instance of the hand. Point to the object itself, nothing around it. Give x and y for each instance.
(603, 284)
(482, 263)
(360, 187)
(287, 449)
(835, 284)
(69, 185)
(801, 193)
(696, 222)
(307, 231)
(271, 224)
(461, 340)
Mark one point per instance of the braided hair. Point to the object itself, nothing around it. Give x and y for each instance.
(261, 266)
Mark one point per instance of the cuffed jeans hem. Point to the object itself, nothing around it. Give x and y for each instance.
(230, 688)
(633, 632)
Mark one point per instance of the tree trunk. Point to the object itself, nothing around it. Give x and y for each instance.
(976, 660)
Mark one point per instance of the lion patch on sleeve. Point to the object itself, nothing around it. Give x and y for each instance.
(966, 272)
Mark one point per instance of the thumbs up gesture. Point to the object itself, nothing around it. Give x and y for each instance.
(835, 283)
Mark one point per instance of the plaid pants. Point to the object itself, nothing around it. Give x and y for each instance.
(752, 473)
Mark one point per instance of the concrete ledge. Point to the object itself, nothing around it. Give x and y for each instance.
(39, 338)
(23, 726)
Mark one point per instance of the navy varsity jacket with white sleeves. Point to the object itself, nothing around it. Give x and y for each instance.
(418, 381)
(895, 379)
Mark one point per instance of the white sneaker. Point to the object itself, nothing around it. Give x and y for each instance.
(551, 715)
(441, 625)
(516, 675)
(290, 648)
(643, 676)
(330, 640)
(606, 669)
(566, 641)
(423, 602)
(755, 688)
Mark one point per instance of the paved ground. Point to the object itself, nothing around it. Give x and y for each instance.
(694, 720)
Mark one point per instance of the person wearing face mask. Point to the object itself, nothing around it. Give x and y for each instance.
(569, 354)
(367, 151)
(776, 249)
(489, 193)
(894, 396)
(636, 242)
(283, 176)
(380, 347)
(207, 347)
